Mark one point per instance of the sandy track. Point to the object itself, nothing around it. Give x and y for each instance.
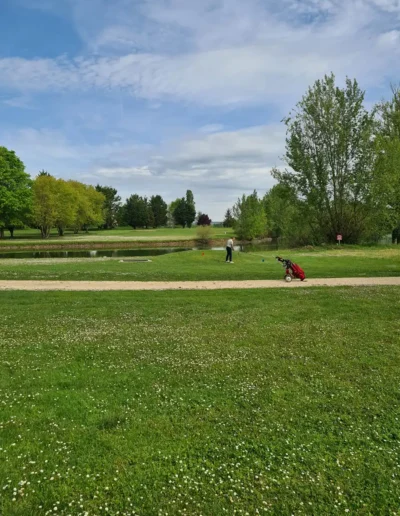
(190, 285)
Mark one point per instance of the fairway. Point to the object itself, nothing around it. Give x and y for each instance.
(206, 403)
(211, 266)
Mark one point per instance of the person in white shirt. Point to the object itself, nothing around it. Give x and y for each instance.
(229, 250)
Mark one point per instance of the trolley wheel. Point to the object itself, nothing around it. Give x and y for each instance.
(288, 278)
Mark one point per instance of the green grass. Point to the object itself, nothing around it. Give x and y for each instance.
(250, 402)
(32, 236)
(194, 266)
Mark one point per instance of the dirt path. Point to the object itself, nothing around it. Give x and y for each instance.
(191, 285)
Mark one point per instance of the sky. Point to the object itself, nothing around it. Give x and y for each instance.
(161, 96)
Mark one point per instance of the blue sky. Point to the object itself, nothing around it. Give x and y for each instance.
(158, 96)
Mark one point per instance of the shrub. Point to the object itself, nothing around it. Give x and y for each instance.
(203, 234)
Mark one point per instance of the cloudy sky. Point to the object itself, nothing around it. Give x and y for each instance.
(157, 96)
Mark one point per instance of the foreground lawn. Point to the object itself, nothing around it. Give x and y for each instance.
(249, 402)
(210, 265)
(32, 236)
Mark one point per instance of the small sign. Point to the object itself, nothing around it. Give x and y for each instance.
(339, 238)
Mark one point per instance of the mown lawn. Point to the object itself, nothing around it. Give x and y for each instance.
(245, 402)
(210, 265)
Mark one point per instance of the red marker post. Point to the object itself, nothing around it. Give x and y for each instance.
(339, 238)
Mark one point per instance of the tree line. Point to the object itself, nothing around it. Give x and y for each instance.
(342, 174)
(47, 203)
(141, 212)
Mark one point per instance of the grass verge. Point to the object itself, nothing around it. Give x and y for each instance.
(249, 402)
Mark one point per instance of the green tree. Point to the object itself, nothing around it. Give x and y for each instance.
(89, 206)
(386, 184)
(150, 219)
(15, 190)
(159, 208)
(136, 212)
(280, 205)
(184, 210)
(111, 206)
(229, 220)
(287, 216)
(250, 219)
(66, 206)
(180, 212)
(45, 203)
(190, 208)
(170, 214)
(330, 153)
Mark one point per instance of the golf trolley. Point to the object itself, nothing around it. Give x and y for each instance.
(292, 270)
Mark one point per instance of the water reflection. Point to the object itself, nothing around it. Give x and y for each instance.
(98, 253)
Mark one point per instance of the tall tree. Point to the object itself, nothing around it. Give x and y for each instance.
(150, 221)
(184, 210)
(330, 153)
(111, 206)
(136, 212)
(285, 216)
(280, 205)
(250, 219)
(190, 208)
(159, 208)
(180, 212)
(15, 190)
(386, 185)
(66, 206)
(89, 206)
(45, 203)
(229, 220)
(171, 221)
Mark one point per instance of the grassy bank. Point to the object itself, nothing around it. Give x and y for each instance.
(200, 403)
(30, 238)
(210, 265)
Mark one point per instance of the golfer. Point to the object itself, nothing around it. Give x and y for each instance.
(229, 250)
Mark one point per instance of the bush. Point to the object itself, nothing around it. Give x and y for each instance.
(204, 220)
(204, 234)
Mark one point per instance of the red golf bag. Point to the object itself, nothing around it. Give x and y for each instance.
(292, 270)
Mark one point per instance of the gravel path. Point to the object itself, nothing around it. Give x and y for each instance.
(191, 285)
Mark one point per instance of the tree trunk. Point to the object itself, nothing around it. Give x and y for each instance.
(11, 230)
(1, 233)
(45, 231)
(60, 231)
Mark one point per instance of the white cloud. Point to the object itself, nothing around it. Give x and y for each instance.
(389, 40)
(230, 53)
(222, 77)
(391, 6)
(20, 101)
(211, 128)
(234, 161)
(218, 167)
(124, 172)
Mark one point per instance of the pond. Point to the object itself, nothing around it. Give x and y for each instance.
(98, 253)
